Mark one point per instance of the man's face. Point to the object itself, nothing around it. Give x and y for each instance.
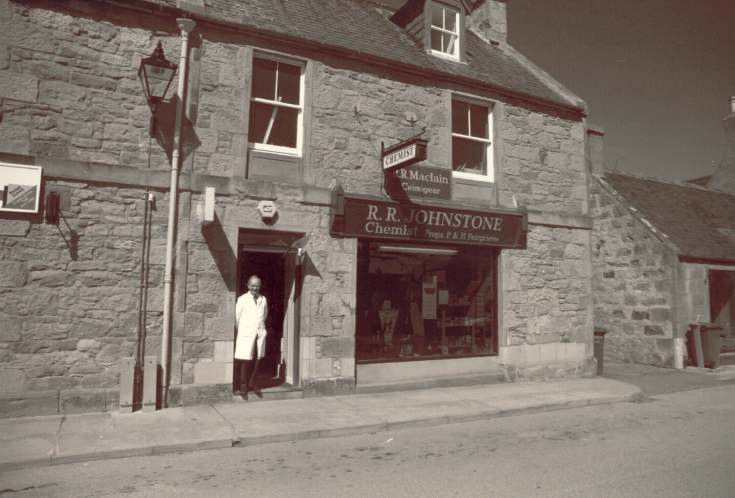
(254, 286)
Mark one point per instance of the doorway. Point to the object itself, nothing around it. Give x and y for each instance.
(270, 267)
(722, 310)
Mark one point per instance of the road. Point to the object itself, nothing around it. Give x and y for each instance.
(674, 445)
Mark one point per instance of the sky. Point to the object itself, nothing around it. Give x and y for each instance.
(657, 75)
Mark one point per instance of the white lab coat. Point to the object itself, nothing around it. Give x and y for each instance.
(250, 319)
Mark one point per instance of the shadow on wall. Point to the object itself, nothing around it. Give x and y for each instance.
(219, 247)
(309, 268)
(165, 122)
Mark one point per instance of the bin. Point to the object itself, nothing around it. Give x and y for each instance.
(711, 344)
(599, 348)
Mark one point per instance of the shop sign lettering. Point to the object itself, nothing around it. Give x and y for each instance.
(419, 181)
(403, 154)
(400, 156)
(411, 222)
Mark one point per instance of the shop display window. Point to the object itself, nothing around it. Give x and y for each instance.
(423, 302)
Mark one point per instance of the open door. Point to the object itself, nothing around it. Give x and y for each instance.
(272, 256)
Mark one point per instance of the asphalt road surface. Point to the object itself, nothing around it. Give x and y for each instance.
(674, 445)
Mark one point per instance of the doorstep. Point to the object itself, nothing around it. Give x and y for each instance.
(282, 392)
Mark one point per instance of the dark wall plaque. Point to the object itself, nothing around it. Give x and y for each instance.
(419, 182)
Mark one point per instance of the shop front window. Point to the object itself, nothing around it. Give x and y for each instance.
(423, 302)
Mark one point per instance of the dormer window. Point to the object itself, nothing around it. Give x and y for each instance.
(444, 30)
(438, 26)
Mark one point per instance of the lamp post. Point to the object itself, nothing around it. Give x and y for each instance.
(156, 74)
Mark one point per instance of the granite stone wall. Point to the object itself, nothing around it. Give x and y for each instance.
(547, 288)
(353, 112)
(69, 294)
(544, 165)
(70, 88)
(635, 279)
(547, 306)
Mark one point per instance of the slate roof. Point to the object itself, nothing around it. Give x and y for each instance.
(357, 26)
(700, 222)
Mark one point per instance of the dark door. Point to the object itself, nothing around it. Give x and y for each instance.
(722, 310)
(269, 266)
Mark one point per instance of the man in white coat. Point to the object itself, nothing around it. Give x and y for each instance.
(251, 311)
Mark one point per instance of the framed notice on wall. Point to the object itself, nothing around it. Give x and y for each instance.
(20, 187)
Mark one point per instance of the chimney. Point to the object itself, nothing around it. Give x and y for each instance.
(489, 20)
(594, 149)
(729, 124)
(723, 177)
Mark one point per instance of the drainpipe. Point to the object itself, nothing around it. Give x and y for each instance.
(186, 26)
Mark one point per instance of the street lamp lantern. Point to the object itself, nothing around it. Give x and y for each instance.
(156, 74)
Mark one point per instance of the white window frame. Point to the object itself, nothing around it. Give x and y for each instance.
(446, 9)
(489, 175)
(279, 149)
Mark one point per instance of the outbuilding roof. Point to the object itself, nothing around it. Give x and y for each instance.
(700, 222)
(359, 27)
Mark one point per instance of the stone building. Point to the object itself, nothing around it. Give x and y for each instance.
(664, 258)
(473, 262)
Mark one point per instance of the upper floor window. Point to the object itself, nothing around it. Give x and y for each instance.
(444, 30)
(276, 105)
(472, 127)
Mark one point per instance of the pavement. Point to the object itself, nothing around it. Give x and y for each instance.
(653, 380)
(60, 439)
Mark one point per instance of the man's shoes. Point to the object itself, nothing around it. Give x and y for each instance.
(252, 386)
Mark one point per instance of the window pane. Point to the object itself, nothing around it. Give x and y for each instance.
(436, 16)
(459, 117)
(436, 40)
(469, 156)
(448, 42)
(264, 79)
(289, 83)
(284, 128)
(478, 121)
(450, 20)
(260, 115)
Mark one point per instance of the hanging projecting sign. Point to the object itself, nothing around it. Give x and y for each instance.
(404, 154)
(20, 187)
(419, 181)
(372, 218)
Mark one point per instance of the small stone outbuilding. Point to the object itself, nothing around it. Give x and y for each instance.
(664, 258)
